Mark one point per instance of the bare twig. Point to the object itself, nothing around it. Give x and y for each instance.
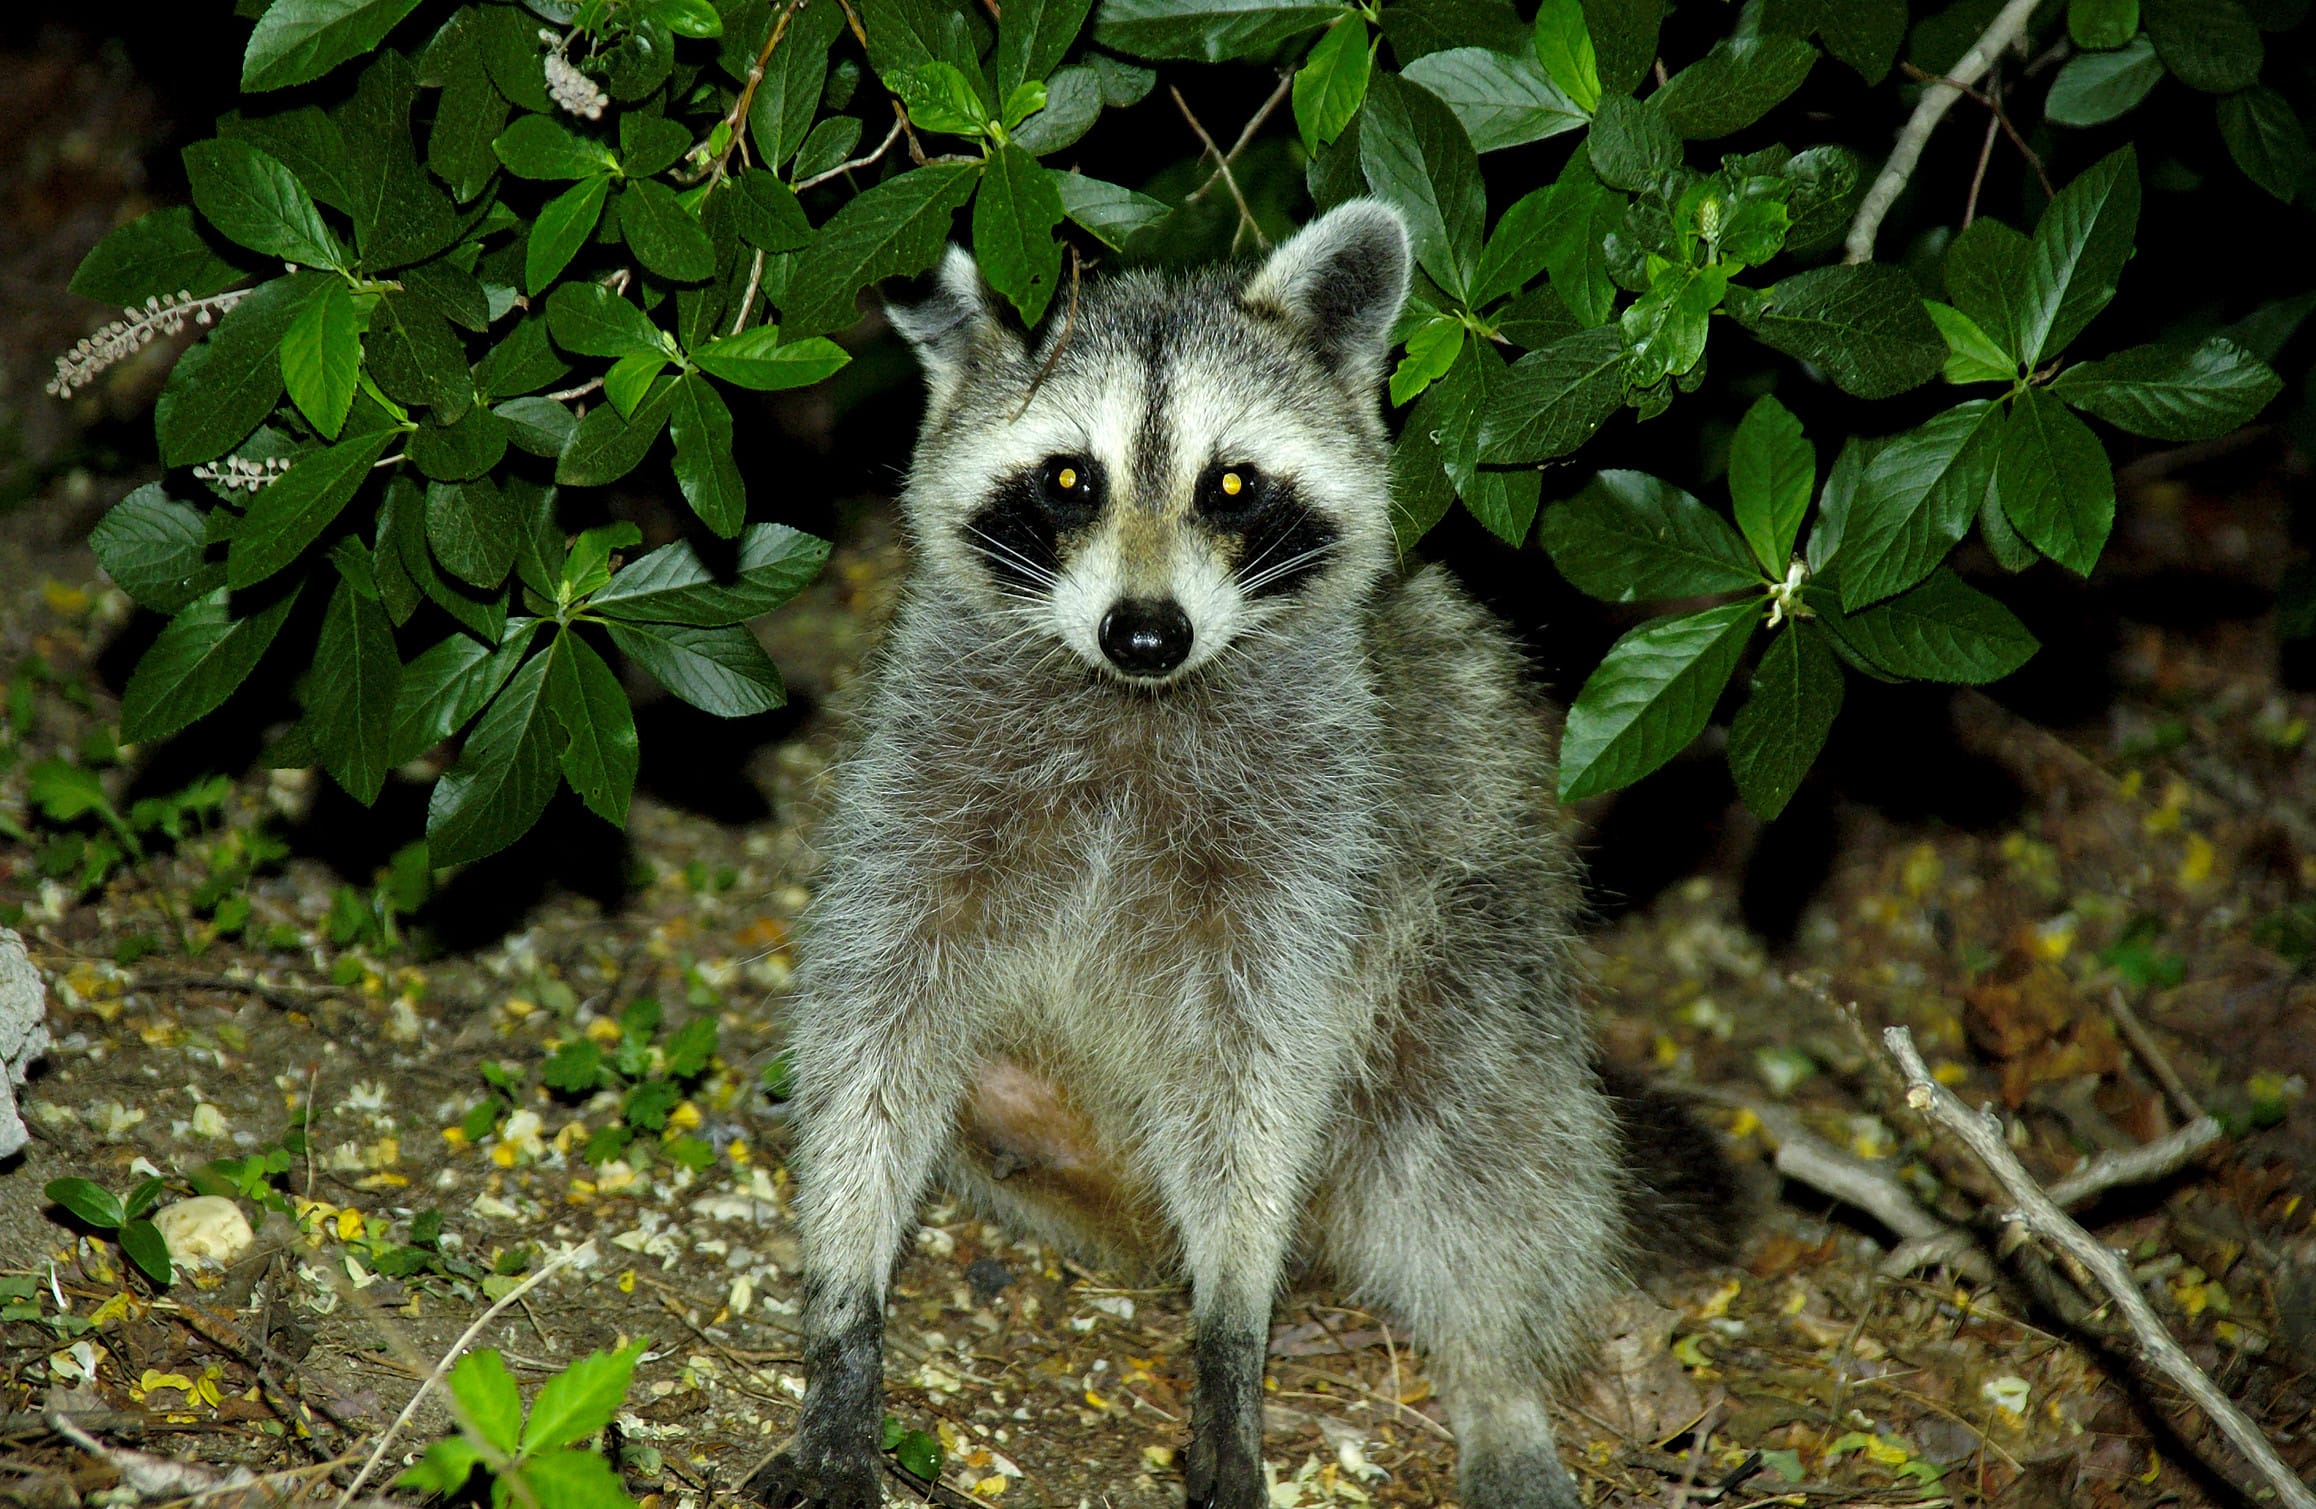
(1069, 323)
(1246, 219)
(1978, 174)
(1254, 123)
(736, 123)
(1936, 100)
(859, 162)
(1982, 1134)
(585, 388)
(1991, 98)
(748, 297)
(2151, 1054)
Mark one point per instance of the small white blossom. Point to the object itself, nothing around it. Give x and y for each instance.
(573, 90)
(239, 473)
(133, 332)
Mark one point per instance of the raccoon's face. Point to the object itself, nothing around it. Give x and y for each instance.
(1182, 465)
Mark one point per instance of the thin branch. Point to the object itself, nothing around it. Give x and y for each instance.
(736, 123)
(859, 162)
(1069, 323)
(1978, 174)
(1980, 1132)
(1993, 102)
(585, 388)
(748, 298)
(1936, 100)
(1246, 219)
(2152, 1055)
(1254, 123)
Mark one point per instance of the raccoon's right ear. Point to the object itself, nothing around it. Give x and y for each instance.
(1342, 280)
(954, 325)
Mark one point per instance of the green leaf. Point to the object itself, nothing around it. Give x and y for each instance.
(574, 1480)
(941, 98)
(1421, 492)
(1073, 102)
(1013, 221)
(254, 200)
(1502, 99)
(1432, 348)
(289, 514)
(356, 677)
(2173, 391)
(224, 387)
(1332, 83)
(2265, 137)
(2095, 87)
(757, 358)
(64, 792)
(1863, 325)
(2080, 246)
(2101, 24)
(1503, 501)
(195, 664)
(564, 224)
(512, 53)
(539, 146)
(663, 234)
(828, 147)
(1516, 248)
(606, 445)
(1211, 31)
(90, 1202)
(298, 40)
(580, 1400)
(1650, 697)
(1986, 271)
(456, 452)
(919, 1455)
(320, 354)
(599, 748)
(1943, 630)
(1734, 85)
(446, 686)
(539, 425)
(399, 216)
(593, 321)
(1552, 400)
(488, 1398)
(2210, 45)
(308, 142)
(143, 1244)
(1111, 212)
(904, 35)
(1665, 328)
(1583, 214)
(1416, 155)
(719, 670)
(470, 112)
(154, 256)
(2055, 482)
(1628, 537)
(503, 777)
(629, 381)
(472, 527)
(1776, 735)
(1863, 33)
(896, 227)
(1821, 196)
(673, 585)
(1915, 499)
(780, 116)
(1564, 47)
(154, 547)
(1631, 143)
(704, 467)
(1027, 99)
(687, 18)
(766, 212)
(414, 357)
(444, 1469)
(1033, 36)
(1971, 354)
(1772, 472)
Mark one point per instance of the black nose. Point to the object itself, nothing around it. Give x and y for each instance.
(1145, 637)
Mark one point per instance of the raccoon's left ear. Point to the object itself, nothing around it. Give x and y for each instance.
(1341, 280)
(953, 325)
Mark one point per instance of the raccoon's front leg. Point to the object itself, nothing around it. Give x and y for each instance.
(876, 1097)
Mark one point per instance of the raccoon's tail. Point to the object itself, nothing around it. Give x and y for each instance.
(1685, 1199)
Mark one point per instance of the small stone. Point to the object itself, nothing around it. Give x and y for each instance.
(207, 1230)
(23, 1032)
(988, 1278)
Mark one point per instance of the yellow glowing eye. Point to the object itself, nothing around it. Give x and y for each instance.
(1232, 484)
(1068, 477)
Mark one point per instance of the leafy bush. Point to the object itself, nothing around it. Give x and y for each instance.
(453, 258)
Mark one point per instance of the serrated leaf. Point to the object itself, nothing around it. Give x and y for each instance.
(2210, 45)
(299, 40)
(1552, 400)
(827, 147)
(1631, 143)
(1432, 348)
(663, 234)
(1113, 213)
(1863, 33)
(320, 354)
(564, 224)
(154, 548)
(574, 1480)
(456, 452)
(766, 213)
(1665, 328)
(412, 354)
(1073, 102)
(757, 358)
(1421, 492)
(399, 216)
(1986, 271)
(1776, 735)
(598, 754)
(446, 686)
(2055, 481)
(650, 144)
(899, 226)
(1822, 193)
(195, 664)
(471, 527)
(1332, 83)
(290, 514)
(1564, 47)
(1416, 155)
(607, 445)
(580, 1400)
(1207, 30)
(593, 321)
(1971, 354)
(1033, 36)
(629, 381)
(2173, 391)
(780, 116)
(1740, 80)
(252, 199)
(1943, 630)
(503, 777)
(904, 35)
(1013, 220)
(1650, 697)
(444, 1469)
(89, 1201)
(356, 677)
(2095, 87)
(2098, 24)
(1863, 325)
(1502, 99)
(539, 425)
(1915, 500)
(1629, 537)
(1503, 501)
(1624, 41)
(2265, 137)
(542, 147)
(718, 670)
(2080, 246)
(488, 1398)
(673, 585)
(702, 428)
(470, 112)
(155, 255)
(1772, 472)
(1582, 214)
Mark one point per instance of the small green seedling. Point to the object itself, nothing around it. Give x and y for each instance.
(919, 1455)
(654, 1079)
(539, 1459)
(124, 1220)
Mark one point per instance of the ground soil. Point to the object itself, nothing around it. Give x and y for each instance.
(2133, 827)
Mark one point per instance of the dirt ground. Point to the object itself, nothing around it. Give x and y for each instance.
(2150, 843)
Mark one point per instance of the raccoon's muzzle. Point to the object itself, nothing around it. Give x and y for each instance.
(1146, 636)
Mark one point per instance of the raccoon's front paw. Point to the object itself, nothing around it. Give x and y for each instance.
(1211, 1481)
(848, 1481)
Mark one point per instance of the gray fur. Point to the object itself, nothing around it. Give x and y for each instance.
(1288, 931)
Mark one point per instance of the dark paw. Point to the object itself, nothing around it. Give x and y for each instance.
(1209, 1484)
(790, 1482)
(1529, 1480)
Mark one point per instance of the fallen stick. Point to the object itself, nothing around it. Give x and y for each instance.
(2038, 1213)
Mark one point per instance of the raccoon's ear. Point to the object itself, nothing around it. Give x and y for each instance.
(954, 323)
(1341, 280)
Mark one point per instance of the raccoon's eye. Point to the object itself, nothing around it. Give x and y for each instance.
(1228, 491)
(1072, 488)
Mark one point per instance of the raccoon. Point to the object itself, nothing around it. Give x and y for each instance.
(1195, 897)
